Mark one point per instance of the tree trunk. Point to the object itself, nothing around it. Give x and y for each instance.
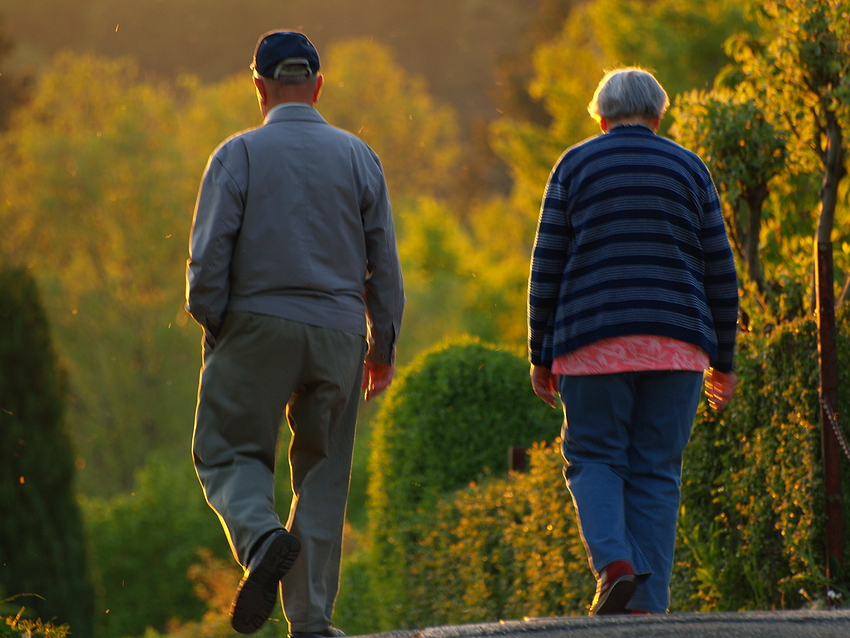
(834, 171)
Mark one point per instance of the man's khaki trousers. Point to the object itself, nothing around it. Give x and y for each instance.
(261, 368)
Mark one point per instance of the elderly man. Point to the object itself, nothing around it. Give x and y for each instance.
(632, 295)
(294, 277)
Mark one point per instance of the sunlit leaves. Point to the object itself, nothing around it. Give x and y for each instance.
(789, 88)
(88, 160)
(212, 113)
(471, 399)
(368, 94)
(682, 43)
(745, 153)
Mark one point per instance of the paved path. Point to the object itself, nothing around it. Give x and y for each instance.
(779, 624)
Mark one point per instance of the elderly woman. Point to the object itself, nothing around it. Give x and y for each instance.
(632, 296)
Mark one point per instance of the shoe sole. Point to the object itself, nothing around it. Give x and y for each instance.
(257, 593)
(617, 598)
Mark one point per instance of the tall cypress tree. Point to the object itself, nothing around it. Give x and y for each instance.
(42, 545)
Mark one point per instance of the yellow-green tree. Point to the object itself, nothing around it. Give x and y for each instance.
(96, 203)
(368, 94)
(746, 154)
(774, 133)
(682, 42)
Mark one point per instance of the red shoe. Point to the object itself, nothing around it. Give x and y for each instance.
(614, 589)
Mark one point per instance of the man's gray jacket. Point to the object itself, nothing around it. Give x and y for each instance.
(293, 220)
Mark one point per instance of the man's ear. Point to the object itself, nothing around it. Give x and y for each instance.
(262, 91)
(320, 82)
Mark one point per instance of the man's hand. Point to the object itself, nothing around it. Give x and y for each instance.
(376, 378)
(545, 384)
(719, 388)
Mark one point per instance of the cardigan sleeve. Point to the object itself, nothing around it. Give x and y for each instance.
(549, 255)
(721, 280)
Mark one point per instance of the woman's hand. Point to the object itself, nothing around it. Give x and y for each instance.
(545, 384)
(719, 388)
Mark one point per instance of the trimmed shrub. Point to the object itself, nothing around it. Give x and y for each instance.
(42, 547)
(449, 419)
(507, 548)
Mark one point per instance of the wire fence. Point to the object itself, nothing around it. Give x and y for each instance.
(839, 433)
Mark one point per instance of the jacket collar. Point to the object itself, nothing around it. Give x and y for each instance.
(294, 112)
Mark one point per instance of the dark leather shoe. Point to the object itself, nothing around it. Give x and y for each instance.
(330, 632)
(614, 589)
(257, 593)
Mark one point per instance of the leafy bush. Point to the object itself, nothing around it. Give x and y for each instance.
(143, 545)
(449, 419)
(753, 521)
(507, 548)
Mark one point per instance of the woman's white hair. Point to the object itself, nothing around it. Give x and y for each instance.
(628, 92)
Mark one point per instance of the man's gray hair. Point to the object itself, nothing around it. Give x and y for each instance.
(628, 92)
(296, 80)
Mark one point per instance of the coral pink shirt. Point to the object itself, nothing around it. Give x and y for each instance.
(630, 354)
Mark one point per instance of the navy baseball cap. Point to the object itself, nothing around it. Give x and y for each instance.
(285, 54)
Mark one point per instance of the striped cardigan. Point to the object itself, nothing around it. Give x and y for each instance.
(631, 240)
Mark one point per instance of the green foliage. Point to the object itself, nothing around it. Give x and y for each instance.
(142, 546)
(368, 94)
(799, 72)
(682, 42)
(475, 270)
(357, 607)
(42, 549)
(447, 420)
(752, 526)
(745, 153)
(507, 548)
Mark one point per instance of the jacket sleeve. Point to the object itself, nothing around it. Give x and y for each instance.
(384, 288)
(215, 228)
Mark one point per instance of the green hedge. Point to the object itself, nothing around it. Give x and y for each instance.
(751, 530)
(448, 419)
(507, 548)
(751, 534)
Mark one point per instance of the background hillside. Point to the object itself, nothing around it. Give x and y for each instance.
(474, 53)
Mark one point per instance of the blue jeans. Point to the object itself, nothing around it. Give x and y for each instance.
(623, 439)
